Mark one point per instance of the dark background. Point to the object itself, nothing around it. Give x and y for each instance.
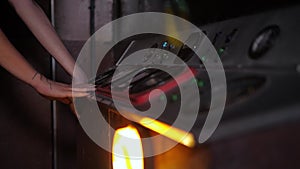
(26, 118)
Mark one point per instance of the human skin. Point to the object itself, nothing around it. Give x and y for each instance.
(36, 20)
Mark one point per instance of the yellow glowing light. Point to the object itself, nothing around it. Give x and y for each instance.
(127, 149)
(173, 133)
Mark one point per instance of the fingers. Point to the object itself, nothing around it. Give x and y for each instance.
(84, 87)
(65, 100)
(58, 90)
(77, 93)
(64, 92)
(78, 87)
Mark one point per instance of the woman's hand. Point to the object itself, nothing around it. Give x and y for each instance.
(59, 91)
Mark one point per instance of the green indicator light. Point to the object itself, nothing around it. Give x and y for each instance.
(200, 83)
(203, 58)
(221, 50)
(174, 97)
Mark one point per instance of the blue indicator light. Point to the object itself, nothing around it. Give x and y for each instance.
(165, 44)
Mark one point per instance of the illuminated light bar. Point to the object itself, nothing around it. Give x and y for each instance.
(127, 150)
(164, 129)
(168, 131)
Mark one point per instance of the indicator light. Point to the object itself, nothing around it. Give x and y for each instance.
(221, 50)
(174, 97)
(200, 83)
(172, 46)
(165, 44)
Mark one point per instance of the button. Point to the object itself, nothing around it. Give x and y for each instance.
(216, 37)
(264, 41)
(230, 36)
(185, 53)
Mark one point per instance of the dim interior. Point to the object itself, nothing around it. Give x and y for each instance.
(256, 42)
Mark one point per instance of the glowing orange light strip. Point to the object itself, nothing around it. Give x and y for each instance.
(168, 131)
(164, 129)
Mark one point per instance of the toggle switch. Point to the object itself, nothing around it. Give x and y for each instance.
(264, 41)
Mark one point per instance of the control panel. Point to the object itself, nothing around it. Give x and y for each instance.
(260, 58)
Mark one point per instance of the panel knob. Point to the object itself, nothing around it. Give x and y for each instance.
(264, 41)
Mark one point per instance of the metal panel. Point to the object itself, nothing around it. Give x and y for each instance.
(25, 116)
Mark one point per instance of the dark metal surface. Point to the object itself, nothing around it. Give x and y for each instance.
(256, 87)
(67, 124)
(25, 116)
(263, 99)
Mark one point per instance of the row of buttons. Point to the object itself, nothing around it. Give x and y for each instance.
(263, 41)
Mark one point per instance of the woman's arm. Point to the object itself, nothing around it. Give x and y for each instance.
(15, 63)
(12, 61)
(38, 23)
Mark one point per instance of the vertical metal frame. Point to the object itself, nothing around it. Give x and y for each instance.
(53, 103)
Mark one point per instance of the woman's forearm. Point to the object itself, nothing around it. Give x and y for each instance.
(38, 23)
(14, 62)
